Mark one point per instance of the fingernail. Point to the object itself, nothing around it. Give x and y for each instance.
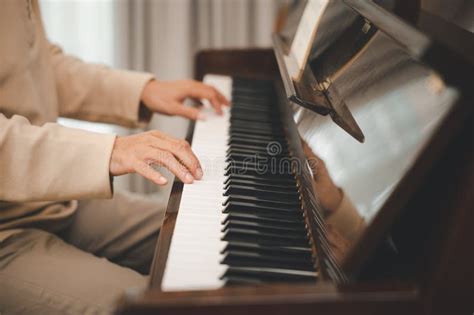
(201, 116)
(189, 178)
(199, 173)
(162, 180)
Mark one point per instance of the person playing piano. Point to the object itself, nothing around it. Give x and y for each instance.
(58, 254)
(64, 246)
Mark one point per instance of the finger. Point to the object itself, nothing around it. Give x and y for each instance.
(168, 160)
(223, 99)
(189, 112)
(201, 90)
(217, 99)
(149, 173)
(211, 95)
(220, 97)
(216, 104)
(181, 149)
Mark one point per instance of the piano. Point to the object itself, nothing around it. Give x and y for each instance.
(385, 102)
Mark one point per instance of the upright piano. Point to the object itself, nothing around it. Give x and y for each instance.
(383, 112)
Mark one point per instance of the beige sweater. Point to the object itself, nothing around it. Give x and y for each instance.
(39, 159)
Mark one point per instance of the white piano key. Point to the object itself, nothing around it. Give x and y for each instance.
(194, 256)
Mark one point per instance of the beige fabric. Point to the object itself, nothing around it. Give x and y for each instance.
(40, 160)
(87, 270)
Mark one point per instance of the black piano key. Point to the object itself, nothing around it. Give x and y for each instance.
(264, 217)
(260, 231)
(253, 192)
(257, 214)
(276, 180)
(251, 112)
(262, 172)
(236, 153)
(274, 132)
(260, 197)
(255, 142)
(234, 234)
(246, 88)
(254, 102)
(247, 91)
(256, 148)
(267, 138)
(238, 157)
(262, 202)
(252, 116)
(245, 109)
(251, 84)
(270, 274)
(264, 192)
(253, 162)
(252, 93)
(256, 183)
(249, 259)
(265, 168)
(263, 214)
(253, 96)
(303, 253)
(255, 207)
(231, 280)
(262, 226)
(268, 127)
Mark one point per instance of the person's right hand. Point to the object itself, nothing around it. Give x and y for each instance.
(136, 154)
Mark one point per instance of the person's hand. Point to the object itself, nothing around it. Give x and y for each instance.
(166, 97)
(338, 243)
(328, 193)
(136, 154)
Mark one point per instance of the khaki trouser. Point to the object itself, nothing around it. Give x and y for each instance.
(104, 251)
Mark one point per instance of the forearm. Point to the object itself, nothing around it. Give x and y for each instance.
(52, 162)
(98, 93)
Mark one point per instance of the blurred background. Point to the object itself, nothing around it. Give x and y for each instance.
(157, 36)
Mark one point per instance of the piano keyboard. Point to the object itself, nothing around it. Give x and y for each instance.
(243, 223)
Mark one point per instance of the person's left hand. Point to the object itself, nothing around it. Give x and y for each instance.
(167, 97)
(329, 194)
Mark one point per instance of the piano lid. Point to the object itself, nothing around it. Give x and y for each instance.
(397, 100)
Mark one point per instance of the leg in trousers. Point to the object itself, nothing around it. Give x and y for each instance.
(123, 229)
(41, 274)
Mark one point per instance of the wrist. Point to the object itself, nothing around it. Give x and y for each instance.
(147, 92)
(116, 163)
(332, 200)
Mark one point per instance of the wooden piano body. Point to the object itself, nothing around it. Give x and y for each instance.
(434, 271)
